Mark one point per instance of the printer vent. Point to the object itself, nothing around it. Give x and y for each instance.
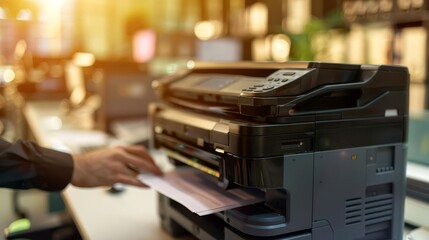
(354, 211)
(375, 212)
(378, 215)
(378, 208)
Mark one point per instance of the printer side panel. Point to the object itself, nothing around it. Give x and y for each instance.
(297, 180)
(386, 169)
(359, 192)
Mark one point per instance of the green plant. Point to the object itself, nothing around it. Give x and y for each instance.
(303, 47)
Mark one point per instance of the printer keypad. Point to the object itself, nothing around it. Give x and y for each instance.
(270, 85)
(261, 87)
(275, 80)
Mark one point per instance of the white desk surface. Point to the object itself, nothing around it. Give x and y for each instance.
(99, 214)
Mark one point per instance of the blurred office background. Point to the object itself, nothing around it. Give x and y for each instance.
(162, 35)
(114, 44)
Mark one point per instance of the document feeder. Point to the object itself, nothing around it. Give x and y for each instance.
(324, 142)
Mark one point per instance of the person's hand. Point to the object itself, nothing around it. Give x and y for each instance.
(104, 167)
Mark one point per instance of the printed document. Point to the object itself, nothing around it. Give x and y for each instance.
(199, 192)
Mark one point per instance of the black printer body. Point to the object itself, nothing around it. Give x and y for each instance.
(324, 142)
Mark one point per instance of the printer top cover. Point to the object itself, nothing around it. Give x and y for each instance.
(297, 90)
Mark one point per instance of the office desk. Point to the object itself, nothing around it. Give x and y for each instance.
(98, 214)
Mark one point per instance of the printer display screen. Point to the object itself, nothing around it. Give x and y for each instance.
(216, 82)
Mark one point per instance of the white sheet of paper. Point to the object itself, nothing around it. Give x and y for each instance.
(199, 192)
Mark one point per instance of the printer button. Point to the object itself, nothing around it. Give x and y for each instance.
(258, 85)
(268, 88)
(289, 73)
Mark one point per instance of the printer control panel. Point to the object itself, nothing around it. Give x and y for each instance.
(282, 82)
(278, 82)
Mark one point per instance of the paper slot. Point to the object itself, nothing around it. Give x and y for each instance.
(199, 192)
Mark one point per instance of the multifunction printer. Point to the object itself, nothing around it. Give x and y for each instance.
(323, 142)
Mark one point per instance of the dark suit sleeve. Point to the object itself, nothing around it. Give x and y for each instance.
(25, 165)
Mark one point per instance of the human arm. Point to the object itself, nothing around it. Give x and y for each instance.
(25, 165)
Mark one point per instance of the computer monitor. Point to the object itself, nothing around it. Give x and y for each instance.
(126, 91)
